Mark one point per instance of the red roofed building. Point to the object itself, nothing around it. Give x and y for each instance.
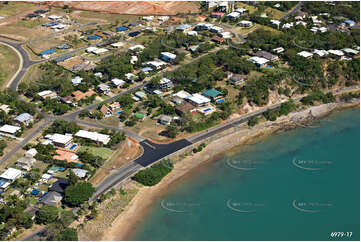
(217, 14)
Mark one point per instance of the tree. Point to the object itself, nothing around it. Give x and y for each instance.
(93, 213)
(172, 131)
(154, 82)
(154, 174)
(69, 234)
(73, 179)
(62, 127)
(287, 107)
(77, 194)
(253, 121)
(47, 214)
(270, 115)
(66, 218)
(116, 138)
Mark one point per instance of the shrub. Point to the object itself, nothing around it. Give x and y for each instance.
(153, 175)
(77, 194)
(253, 121)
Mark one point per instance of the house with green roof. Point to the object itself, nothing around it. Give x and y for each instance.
(213, 94)
(140, 95)
(140, 116)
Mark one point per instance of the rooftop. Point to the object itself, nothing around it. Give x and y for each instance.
(23, 117)
(65, 155)
(9, 129)
(212, 93)
(103, 138)
(11, 174)
(198, 99)
(60, 138)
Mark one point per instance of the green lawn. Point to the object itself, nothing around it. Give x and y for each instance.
(33, 200)
(99, 151)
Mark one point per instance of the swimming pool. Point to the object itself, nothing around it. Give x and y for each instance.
(119, 111)
(219, 100)
(270, 67)
(73, 147)
(79, 165)
(206, 110)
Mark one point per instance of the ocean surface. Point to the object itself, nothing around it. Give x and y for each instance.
(302, 184)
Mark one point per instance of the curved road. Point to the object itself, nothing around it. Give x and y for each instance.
(25, 63)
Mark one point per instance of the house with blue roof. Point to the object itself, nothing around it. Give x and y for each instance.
(183, 27)
(94, 37)
(146, 70)
(61, 58)
(47, 52)
(121, 28)
(350, 23)
(133, 34)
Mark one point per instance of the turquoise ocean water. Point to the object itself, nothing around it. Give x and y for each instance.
(301, 184)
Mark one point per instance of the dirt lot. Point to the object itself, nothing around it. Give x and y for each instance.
(136, 8)
(127, 151)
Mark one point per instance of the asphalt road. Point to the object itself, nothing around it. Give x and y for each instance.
(294, 10)
(25, 141)
(152, 153)
(34, 234)
(26, 63)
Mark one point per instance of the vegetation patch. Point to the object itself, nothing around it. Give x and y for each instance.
(153, 175)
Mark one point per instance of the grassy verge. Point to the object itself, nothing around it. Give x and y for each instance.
(108, 211)
(9, 64)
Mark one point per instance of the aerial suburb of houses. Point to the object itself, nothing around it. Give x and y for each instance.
(101, 100)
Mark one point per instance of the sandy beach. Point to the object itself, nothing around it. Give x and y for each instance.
(186, 164)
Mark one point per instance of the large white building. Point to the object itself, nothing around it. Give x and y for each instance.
(199, 100)
(259, 61)
(94, 136)
(305, 54)
(11, 174)
(9, 129)
(165, 83)
(117, 82)
(60, 139)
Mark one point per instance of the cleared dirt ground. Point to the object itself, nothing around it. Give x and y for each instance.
(137, 8)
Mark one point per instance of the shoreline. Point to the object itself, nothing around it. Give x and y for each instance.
(123, 226)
